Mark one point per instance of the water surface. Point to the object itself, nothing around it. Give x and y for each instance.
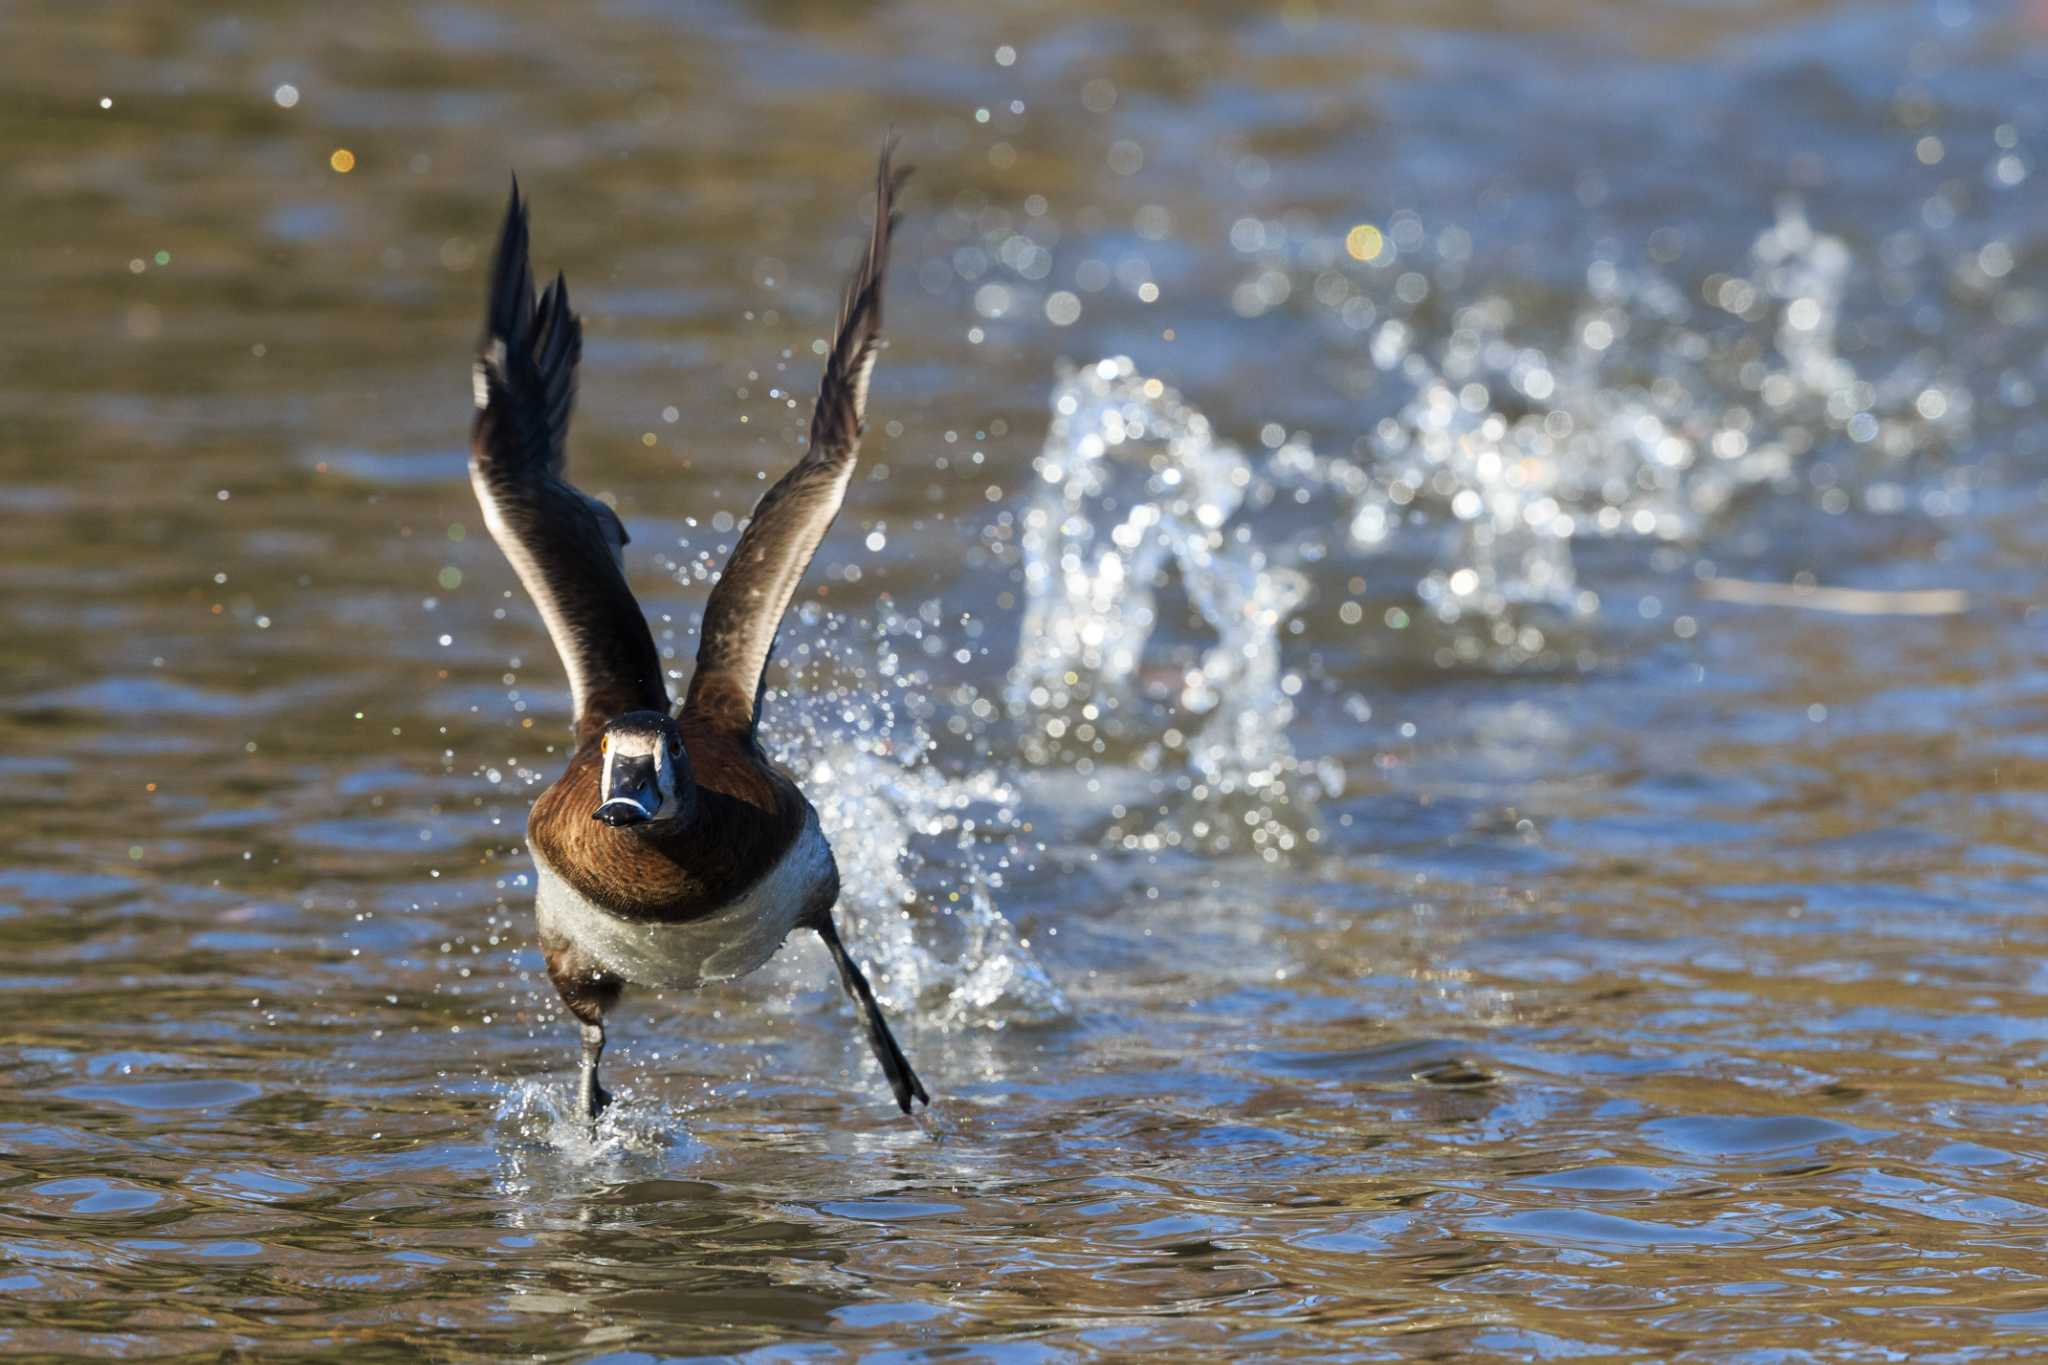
(1432, 697)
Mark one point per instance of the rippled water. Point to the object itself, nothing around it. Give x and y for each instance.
(1432, 698)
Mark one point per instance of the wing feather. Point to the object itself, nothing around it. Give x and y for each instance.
(566, 546)
(746, 607)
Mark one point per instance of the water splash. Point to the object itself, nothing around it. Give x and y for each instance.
(541, 1134)
(922, 852)
(1136, 494)
(1647, 418)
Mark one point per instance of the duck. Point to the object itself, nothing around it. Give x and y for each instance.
(671, 852)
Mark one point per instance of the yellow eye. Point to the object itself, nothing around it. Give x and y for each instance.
(604, 745)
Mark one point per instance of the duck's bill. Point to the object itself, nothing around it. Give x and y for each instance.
(631, 794)
(622, 810)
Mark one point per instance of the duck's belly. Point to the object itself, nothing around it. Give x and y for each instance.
(731, 942)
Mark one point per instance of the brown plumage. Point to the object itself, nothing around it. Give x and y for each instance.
(748, 811)
(703, 854)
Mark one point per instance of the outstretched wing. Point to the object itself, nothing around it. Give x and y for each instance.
(745, 609)
(564, 545)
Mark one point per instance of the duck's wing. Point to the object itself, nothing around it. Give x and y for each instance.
(745, 608)
(564, 545)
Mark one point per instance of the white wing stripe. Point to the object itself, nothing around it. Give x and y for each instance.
(864, 369)
(568, 644)
(795, 559)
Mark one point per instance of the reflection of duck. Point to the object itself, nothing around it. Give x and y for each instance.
(671, 852)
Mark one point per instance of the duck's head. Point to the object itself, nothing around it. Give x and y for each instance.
(646, 774)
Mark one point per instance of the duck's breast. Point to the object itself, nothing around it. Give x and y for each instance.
(729, 942)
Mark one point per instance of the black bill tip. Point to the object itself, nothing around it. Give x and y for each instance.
(619, 813)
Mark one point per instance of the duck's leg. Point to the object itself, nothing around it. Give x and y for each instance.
(588, 992)
(895, 1066)
(594, 1098)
